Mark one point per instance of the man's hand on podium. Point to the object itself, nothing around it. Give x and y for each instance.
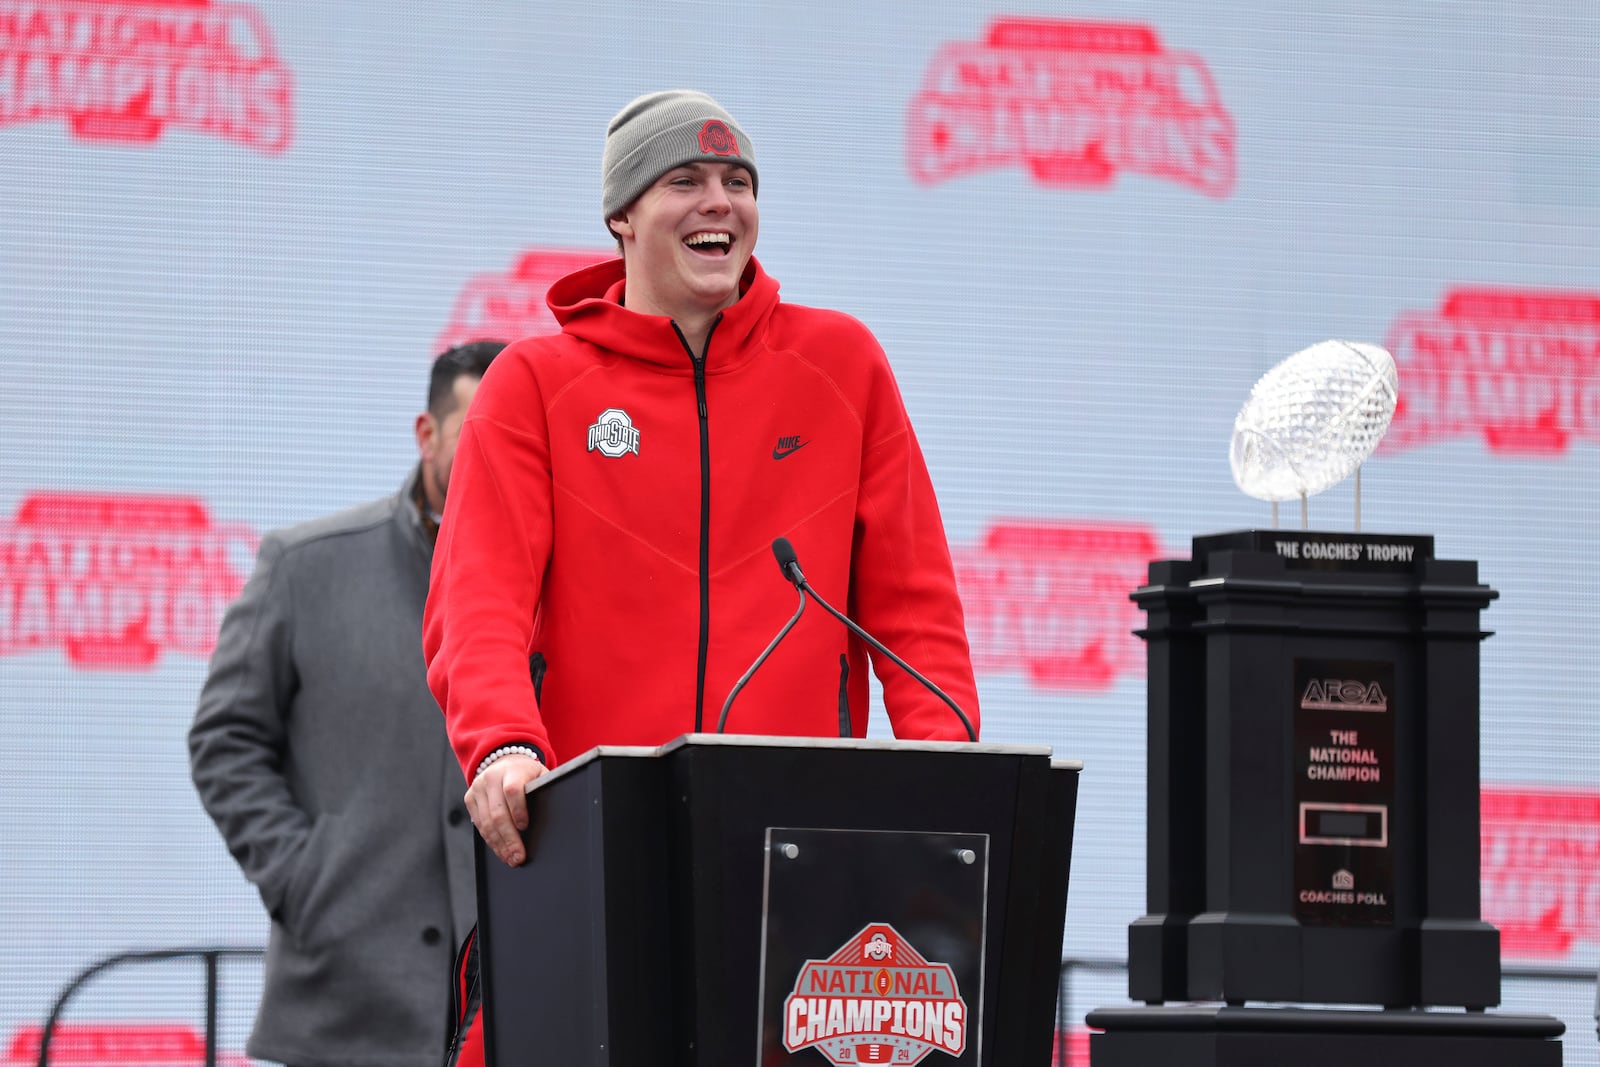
(498, 803)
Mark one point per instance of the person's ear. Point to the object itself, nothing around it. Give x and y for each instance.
(620, 226)
(427, 430)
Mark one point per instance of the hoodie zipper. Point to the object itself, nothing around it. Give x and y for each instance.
(699, 362)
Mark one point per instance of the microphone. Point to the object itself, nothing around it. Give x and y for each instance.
(722, 720)
(788, 562)
(789, 566)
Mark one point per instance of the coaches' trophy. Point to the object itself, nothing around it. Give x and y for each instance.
(1313, 828)
(1311, 421)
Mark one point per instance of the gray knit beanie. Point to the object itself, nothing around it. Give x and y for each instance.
(659, 131)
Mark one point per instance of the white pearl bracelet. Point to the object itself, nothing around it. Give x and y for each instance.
(501, 753)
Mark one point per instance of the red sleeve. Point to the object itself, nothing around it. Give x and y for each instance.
(488, 568)
(903, 583)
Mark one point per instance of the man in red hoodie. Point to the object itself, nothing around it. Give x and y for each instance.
(618, 486)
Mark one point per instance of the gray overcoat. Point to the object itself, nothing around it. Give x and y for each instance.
(321, 755)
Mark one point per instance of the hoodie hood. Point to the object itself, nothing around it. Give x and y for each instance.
(588, 305)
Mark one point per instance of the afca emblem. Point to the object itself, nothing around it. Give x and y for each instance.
(613, 434)
(1343, 694)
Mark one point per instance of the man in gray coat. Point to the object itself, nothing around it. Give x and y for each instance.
(321, 756)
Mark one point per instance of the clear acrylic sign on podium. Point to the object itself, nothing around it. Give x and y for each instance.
(872, 946)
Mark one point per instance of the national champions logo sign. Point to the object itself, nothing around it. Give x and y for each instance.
(1048, 599)
(1541, 869)
(1073, 103)
(116, 580)
(505, 307)
(875, 1000)
(124, 70)
(1519, 367)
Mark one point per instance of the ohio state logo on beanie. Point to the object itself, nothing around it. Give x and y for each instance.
(717, 139)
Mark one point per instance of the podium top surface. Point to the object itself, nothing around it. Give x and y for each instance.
(829, 743)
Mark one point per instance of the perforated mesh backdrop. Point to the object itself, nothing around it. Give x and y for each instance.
(232, 235)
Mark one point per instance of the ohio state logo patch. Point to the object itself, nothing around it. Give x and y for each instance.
(716, 138)
(876, 1000)
(613, 434)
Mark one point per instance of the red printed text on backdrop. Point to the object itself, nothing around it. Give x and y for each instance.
(1070, 1047)
(125, 70)
(98, 1044)
(116, 580)
(1049, 600)
(1519, 367)
(1074, 103)
(1541, 869)
(505, 307)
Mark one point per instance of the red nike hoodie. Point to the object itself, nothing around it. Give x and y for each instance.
(610, 516)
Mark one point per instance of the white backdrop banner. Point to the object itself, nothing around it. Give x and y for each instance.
(232, 236)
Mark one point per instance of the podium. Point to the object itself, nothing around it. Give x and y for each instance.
(727, 900)
(1313, 830)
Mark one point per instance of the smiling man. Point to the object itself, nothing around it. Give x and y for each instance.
(617, 488)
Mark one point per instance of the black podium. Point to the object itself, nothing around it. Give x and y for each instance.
(752, 900)
(1313, 831)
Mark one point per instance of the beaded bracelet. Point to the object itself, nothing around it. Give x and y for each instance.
(508, 750)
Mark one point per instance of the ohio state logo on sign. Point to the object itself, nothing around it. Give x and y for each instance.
(124, 71)
(875, 1000)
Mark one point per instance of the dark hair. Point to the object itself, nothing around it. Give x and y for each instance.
(455, 362)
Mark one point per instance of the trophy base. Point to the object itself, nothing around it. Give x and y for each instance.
(1220, 1036)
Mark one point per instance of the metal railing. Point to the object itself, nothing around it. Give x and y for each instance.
(211, 957)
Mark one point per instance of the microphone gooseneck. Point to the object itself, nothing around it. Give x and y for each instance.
(789, 566)
(722, 719)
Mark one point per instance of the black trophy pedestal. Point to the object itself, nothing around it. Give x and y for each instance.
(1313, 756)
(1216, 1036)
(1313, 824)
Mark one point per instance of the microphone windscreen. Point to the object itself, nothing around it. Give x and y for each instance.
(783, 552)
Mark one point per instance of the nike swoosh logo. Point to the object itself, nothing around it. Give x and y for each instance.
(785, 453)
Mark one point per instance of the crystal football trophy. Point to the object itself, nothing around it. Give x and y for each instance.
(1311, 421)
